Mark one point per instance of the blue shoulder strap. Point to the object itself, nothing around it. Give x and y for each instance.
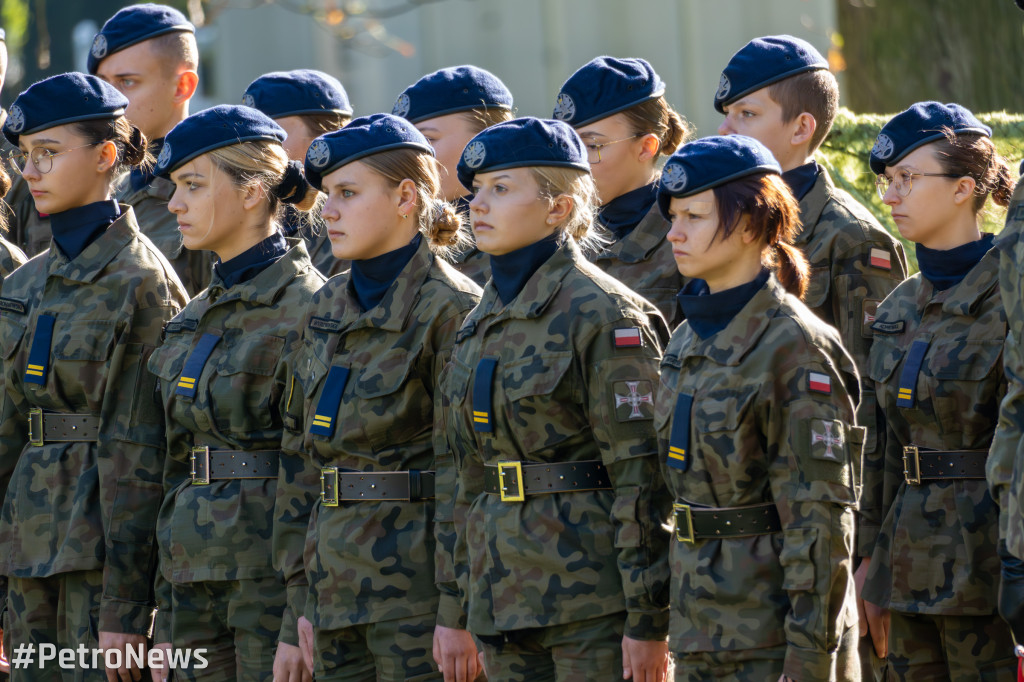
(330, 401)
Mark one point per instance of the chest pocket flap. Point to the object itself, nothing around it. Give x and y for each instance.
(11, 333)
(966, 360)
(386, 374)
(884, 359)
(89, 340)
(167, 360)
(536, 375)
(250, 353)
(722, 409)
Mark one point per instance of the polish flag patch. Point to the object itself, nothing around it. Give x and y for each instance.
(820, 383)
(881, 259)
(627, 337)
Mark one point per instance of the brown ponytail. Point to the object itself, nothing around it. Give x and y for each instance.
(131, 143)
(656, 117)
(791, 268)
(975, 156)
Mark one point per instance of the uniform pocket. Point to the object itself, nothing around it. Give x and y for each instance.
(11, 334)
(884, 358)
(818, 287)
(796, 559)
(243, 390)
(969, 384)
(88, 340)
(166, 362)
(544, 402)
(394, 405)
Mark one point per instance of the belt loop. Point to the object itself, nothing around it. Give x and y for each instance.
(415, 485)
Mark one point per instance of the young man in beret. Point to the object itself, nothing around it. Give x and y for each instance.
(149, 53)
(778, 89)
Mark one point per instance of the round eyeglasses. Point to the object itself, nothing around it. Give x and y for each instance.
(594, 148)
(41, 157)
(903, 181)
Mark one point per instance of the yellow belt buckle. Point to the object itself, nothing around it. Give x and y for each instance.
(200, 465)
(35, 426)
(329, 486)
(516, 468)
(912, 465)
(682, 511)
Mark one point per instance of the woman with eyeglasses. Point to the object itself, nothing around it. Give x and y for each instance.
(930, 587)
(81, 437)
(618, 107)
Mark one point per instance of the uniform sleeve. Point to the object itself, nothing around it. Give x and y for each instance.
(813, 448)
(624, 432)
(13, 425)
(1006, 452)
(130, 459)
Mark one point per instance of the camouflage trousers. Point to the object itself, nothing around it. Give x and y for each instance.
(237, 622)
(585, 651)
(763, 665)
(399, 650)
(951, 648)
(61, 611)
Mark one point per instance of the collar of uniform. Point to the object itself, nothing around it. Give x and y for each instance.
(394, 310)
(266, 287)
(813, 205)
(641, 242)
(541, 288)
(95, 257)
(158, 188)
(965, 297)
(729, 346)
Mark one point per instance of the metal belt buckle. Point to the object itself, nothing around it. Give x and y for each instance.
(516, 469)
(35, 426)
(684, 531)
(912, 465)
(200, 465)
(329, 486)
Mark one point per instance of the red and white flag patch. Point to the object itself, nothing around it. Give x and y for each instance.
(881, 259)
(628, 337)
(821, 383)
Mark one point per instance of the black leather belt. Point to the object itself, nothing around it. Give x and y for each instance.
(926, 465)
(60, 427)
(701, 523)
(513, 481)
(212, 465)
(374, 486)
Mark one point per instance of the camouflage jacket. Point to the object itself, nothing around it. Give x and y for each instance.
(854, 263)
(11, 258)
(1006, 459)
(313, 231)
(936, 551)
(561, 387)
(473, 263)
(87, 505)
(643, 261)
(370, 376)
(771, 419)
(222, 531)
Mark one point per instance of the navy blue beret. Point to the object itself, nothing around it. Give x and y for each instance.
(362, 137)
(606, 86)
(712, 161)
(213, 128)
(132, 25)
(922, 123)
(65, 98)
(293, 93)
(764, 61)
(448, 91)
(522, 142)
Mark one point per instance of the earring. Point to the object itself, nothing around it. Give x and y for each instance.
(404, 216)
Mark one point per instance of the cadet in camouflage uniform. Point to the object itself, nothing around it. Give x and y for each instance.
(217, 369)
(82, 437)
(1006, 460)
(563, 560)
(937, 371)
(618, 108)
(307, 104)
(360, 410)
(449, 107)
(11, 257)
(149, 53)
(756, 428)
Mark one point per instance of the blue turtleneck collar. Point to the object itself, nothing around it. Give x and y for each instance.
(140, 178)
(945, 269)
(462, 205)
(371, 278)
(802, 178)
(252, 261)
(620, 215)
(511, 271)
(76, 228)
(710, 313)
(291, 222)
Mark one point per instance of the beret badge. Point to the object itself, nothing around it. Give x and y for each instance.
(674, 177)
(474, 154)
(565, 108)
(402, 105)
(319, 154)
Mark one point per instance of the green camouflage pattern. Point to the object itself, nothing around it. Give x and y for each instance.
(372, 561)
(925, 647)
(235, 621)
(1006, 458)
(936, 550)
(313, 231)
(575, 652)
(222, 531)
(194, 268)
(473, 263)
(11, 258)
(643, 261)
(398, 650)
(78, 506)
(59, 610)
(838, 236)
(759, 433)
(559, 558)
